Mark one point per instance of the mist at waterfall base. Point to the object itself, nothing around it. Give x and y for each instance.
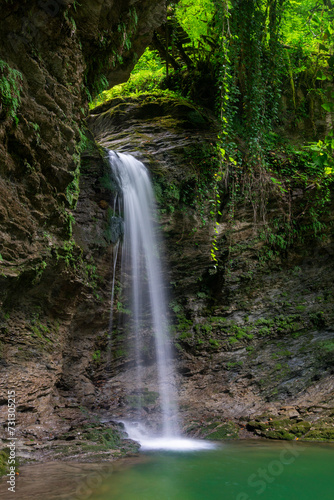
(142, 283)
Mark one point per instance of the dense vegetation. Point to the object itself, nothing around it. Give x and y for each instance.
(265, 68)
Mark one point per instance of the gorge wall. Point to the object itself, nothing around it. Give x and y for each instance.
(53, 56)
(253, 336)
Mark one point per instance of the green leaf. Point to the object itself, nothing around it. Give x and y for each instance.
(327, 106)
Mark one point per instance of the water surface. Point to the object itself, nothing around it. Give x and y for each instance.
(233, 471)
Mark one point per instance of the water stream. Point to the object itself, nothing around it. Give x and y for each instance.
(142, 283)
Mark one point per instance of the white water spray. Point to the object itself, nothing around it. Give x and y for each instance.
(141, 272)
(166, 443)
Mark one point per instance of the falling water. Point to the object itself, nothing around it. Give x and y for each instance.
(141, 272)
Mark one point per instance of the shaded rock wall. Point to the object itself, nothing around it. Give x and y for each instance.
(53, 55)
(254, 337)
(250, 337)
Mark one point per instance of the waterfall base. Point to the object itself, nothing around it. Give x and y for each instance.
(147, 441)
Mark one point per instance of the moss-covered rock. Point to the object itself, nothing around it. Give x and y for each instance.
(224, 431)
(214, 430)
(320, 433)
(286, 429)
(96, 440)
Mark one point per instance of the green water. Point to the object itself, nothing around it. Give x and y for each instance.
(234, 471)
(258, 470)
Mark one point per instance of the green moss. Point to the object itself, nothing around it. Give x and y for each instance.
(284, 352)
(280, 434)
(96, 439)
(4, 454)
(119, 353)
(214, 343)
(300, 428)
(224, 431)
(265, 321)
(279, 429)
(183, 328)
(10, 89)
(97, 356)
(320, 434)
(233, 340)
(104, 438)
(265, 330)
(230, 365)
(218, 320)
(326, 345)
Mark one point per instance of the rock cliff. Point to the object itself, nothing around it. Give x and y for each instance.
(253, 336)
(55, 55)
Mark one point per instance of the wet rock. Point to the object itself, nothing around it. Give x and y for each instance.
(55, 289)
(247, 337)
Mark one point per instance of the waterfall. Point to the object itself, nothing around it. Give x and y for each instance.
(141, 279)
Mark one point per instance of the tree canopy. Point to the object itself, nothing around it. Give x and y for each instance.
(265, 69)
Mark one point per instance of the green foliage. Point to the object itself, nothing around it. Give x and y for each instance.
(112, 46)
(39, 270)
(97, 356)
(205, 164)
(70, 253)
(83, 144)
(246, 54)
(121, 309)
(147, 76)
(40, 330)
(280, 429)
(195, 17)
(4, 455)
(327, 346)
(72, 190)
(10, 89)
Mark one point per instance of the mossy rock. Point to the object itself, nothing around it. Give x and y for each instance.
(98, 439)
(221, 431)
(300, 428)
(320, 434)
(109, 438)
(279, 429)
(279, 434)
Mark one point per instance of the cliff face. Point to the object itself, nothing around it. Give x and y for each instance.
(53, 56)
(253, 335)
